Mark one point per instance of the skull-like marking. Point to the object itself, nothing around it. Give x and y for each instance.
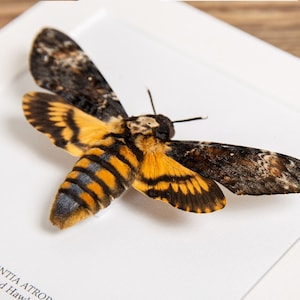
(142, 125)
(158, 126)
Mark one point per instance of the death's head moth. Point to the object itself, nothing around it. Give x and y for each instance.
(85, 117)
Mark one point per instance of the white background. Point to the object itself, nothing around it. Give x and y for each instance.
(139, 247)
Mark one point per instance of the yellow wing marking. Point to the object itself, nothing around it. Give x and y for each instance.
(161, 177)
(67, 126)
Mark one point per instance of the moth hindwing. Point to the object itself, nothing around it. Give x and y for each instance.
(83, 116)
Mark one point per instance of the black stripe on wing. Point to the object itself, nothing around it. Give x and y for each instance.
(184, 192)
(65, 125)
(160, 177)
(242, 170)
(58, 64)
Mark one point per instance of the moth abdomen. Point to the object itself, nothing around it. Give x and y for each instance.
(95, 180)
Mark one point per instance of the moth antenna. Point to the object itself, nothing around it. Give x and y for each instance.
(151, 100)
(190, 119)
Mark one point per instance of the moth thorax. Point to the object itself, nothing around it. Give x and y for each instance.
(158, 126)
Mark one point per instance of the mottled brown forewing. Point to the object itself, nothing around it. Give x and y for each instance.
(58, 64)
(242, 170)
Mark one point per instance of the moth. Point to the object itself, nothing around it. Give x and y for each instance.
(84, 116)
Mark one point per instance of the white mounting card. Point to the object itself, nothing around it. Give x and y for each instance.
(139, 248)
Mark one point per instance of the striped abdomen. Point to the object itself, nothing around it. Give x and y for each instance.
(98, 177)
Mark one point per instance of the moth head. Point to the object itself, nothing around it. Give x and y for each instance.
(158, 126)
